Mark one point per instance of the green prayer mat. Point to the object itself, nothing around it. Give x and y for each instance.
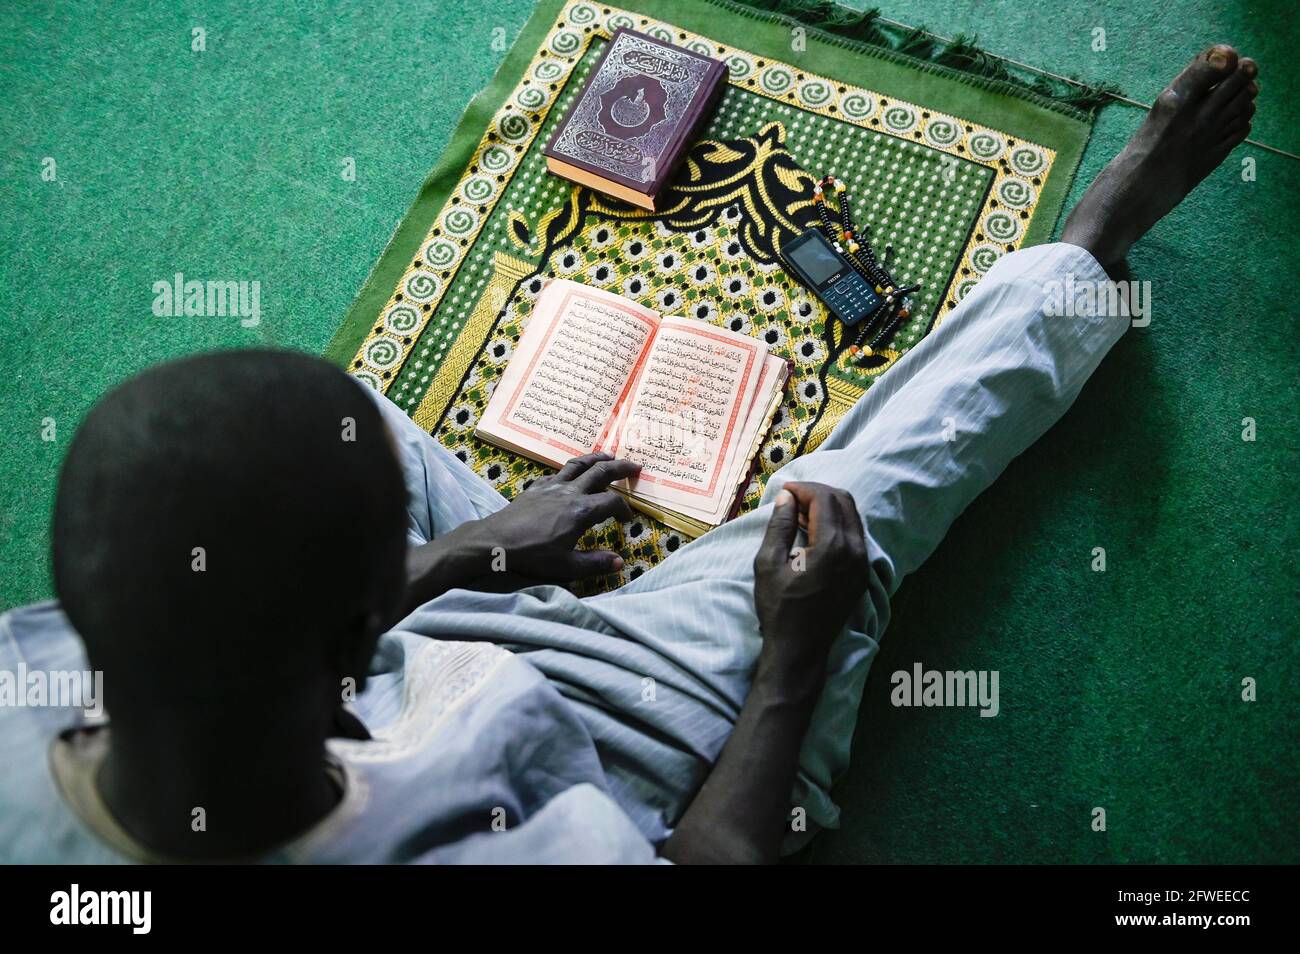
(950, 166)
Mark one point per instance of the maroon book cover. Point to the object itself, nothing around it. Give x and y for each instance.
(633, 121)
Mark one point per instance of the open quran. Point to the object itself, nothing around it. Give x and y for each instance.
(688, 401)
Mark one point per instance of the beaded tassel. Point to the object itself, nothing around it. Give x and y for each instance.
(897, 307)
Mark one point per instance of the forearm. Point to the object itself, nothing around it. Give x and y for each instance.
(453, 560)
(740, 814)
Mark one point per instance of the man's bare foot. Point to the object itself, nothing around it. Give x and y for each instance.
(1202, 115)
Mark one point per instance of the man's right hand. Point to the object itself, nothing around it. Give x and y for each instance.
(742, 812)
(804, 599)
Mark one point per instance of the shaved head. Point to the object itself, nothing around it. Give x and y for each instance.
(226, 523)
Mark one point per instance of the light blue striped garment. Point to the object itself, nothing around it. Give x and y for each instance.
(642, 685)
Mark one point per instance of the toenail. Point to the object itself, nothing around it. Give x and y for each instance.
(1250, 67)
(1219, 55)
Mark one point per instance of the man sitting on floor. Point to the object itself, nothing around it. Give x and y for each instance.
(282, 580)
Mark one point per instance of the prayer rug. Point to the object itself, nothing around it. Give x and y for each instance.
(950, 161)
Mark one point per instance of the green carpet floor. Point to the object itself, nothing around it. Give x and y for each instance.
(1119, 690)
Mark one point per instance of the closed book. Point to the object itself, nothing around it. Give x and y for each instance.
(627, 131)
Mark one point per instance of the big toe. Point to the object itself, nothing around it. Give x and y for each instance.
(1205, 71)
(1236, 92)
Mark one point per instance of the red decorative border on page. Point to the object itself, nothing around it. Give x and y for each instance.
(504, 419)
(731, 424)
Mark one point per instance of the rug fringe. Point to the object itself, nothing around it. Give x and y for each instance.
(961, 53)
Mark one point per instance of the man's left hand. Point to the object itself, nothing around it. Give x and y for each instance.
(531, 539)
(536, 532)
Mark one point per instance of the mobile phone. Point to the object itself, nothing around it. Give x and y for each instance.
(831, 276)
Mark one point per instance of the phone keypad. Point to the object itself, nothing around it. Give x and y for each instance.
(851, 298)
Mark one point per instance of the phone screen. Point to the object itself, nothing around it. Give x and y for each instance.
(817, 258)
